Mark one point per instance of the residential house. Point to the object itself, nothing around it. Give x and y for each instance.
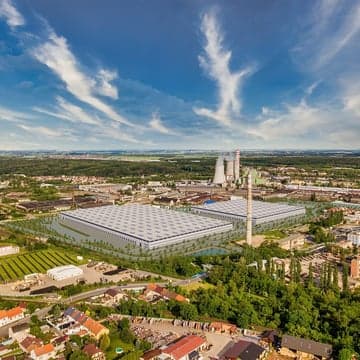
(113, 296)
(44, 352)
(84, 322)
(94, 352)
(19, 332)
(155, 292)
(296, 347)
(244, 350)
(11, 315)
(59, 343)
(221, 327)
(186, 348)
(30, 343)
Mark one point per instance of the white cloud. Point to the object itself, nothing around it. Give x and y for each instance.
(56, 55)
(70, 112)
(105, 87)
(112, 131)
(307, 126)
(310, 89)
(10, 14)
(157, 125)
(334, 26)
(41, 130)
(216, 63)
(346, 32)
(13, 116)
(295, 121)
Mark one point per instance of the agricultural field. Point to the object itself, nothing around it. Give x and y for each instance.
(14, 267)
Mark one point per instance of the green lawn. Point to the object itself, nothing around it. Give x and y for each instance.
(116, 342)
(274, 234)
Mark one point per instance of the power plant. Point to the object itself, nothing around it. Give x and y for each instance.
(229, 173)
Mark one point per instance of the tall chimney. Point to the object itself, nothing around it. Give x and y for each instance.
(249, 211)
(237, 165)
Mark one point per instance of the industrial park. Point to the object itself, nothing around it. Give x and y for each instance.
(82, 236)
(179, 180)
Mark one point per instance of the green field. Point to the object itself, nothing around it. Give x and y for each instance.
(16, 266)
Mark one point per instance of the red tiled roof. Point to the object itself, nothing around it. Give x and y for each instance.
(11, 312)
(91, 349)
(45, 349)
(166, 293)
(31, 342)
(93, 326)
(184, 346)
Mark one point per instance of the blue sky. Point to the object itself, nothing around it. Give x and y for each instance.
(160, 74)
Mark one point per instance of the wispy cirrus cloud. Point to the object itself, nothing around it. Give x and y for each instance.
(104, 87)
(334, 25)
(68, 111)
(7, 114)
(10, 14)
(157, 125)
(57, 56)
(216, 63)
(41, 130)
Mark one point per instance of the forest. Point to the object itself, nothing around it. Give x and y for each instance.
(252, 297)
(179, 167)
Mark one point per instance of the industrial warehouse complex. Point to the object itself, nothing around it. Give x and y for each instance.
(262, 212)
(144, 225)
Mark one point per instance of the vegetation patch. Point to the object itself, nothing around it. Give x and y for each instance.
(14, 267)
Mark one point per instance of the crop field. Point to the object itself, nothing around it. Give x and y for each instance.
(16, 266)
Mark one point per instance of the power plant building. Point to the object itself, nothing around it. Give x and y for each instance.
(236, 211)
(230, 172)
(143, 225)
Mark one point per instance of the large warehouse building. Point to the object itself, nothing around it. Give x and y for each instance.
(64, 272)
(143, 225)
(262, 212)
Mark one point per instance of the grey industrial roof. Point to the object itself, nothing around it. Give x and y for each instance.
(307, 346)
(145, 222)
(260, 209)
(245, 350)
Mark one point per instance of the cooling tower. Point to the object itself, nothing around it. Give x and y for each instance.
(229, 169)
(249, 211)
(237, 165)
(219, 177)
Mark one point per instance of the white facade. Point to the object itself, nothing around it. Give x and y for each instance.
(9, 316)
(354, 237)
(9, 250)
(64, 272)
(143, 225)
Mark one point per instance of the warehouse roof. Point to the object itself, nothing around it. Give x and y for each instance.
(184, 346)
(260, 209)
(306, 345)
(64, 271)
(145, 222)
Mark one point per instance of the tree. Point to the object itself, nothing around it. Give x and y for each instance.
(345, 274)
(78, 355)
(104, 342)
(345, 354)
